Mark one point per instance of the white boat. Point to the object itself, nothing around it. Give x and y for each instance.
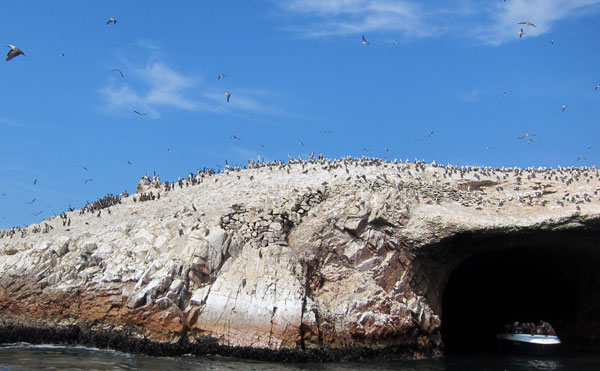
(528, 338)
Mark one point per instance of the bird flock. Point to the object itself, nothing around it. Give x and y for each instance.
(15, 52)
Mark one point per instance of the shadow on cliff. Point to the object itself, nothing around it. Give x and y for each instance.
(487, 279)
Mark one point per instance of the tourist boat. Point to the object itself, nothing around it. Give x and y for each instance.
(529, 338)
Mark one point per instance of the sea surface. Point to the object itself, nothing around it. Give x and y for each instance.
(24, 356)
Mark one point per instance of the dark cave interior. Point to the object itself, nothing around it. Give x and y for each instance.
(556, 283)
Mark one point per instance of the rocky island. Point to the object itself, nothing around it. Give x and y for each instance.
(302, 260)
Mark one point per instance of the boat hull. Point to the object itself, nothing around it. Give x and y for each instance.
(529, 344)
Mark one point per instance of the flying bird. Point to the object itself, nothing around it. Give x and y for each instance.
(139, 113)
(38, 213)
(527, 23)
(13, 52)
(487, 148)
(118, 70)
(504, 95)
(581, 158)
(527, 135)
(30, 202)
(129, 162)
(87, 180)
(221, 77)
(530, 141)
(387, 149)
(564, 107)
(364, 40)
(326, 131)
(235, 137)
(261, 145)
(228, 95)
(62, 54)
(430, 135)
(588, 147)
(521, 33)
(111, 20)
(34, 181)
(301, 143)
(552, 42)
(83, 167)
(597, 87)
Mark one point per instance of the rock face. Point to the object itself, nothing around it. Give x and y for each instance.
(306, 258)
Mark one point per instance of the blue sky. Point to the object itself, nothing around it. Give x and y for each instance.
(297, 72)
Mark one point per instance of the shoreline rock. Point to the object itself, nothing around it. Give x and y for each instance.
(313, 259)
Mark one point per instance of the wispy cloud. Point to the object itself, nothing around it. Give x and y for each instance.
(11, 122)
(156, 86)
(503, 17)
(472, 96)
(343, 17)
(490, 22)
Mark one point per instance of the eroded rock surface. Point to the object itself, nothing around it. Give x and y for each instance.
(307, 256)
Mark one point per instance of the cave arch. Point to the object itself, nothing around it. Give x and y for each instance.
(498, 277)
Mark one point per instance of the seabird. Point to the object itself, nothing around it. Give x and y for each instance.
(13, 52)
(387, 149)
(430, 134)
(228, 95)
(521, 33)
(30, 202)
(129, 162)
(34, 181)
(527, 23)
(552, 42)
(261, 145)
(235, 137)
(597, 87)
(487, 148)
(364, 40)
(62, 54)
(301, 143)
(139, 113)
(564, 107)
(87, 180)
(38, 213)
(220, 76)
(504, 95)
(581, 158)
(588, 147)
(530, 141)
(527, 135)
(83, 167)
(114, 21)
(118, 70)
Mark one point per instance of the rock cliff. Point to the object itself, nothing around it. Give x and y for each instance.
(299, 260)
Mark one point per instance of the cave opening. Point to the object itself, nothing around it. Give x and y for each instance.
(557, 283)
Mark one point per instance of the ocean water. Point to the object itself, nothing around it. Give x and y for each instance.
(49, 357)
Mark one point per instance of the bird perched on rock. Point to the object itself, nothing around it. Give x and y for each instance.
(111, 20)
(564, 107)
(13, 52)
(228, 95)
(527, 23)
(364, 40)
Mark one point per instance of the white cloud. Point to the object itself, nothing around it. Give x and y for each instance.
(490, 22)
(156, 86)
(10, 122)
(161, 86)
(342, 17)
(504, 17)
